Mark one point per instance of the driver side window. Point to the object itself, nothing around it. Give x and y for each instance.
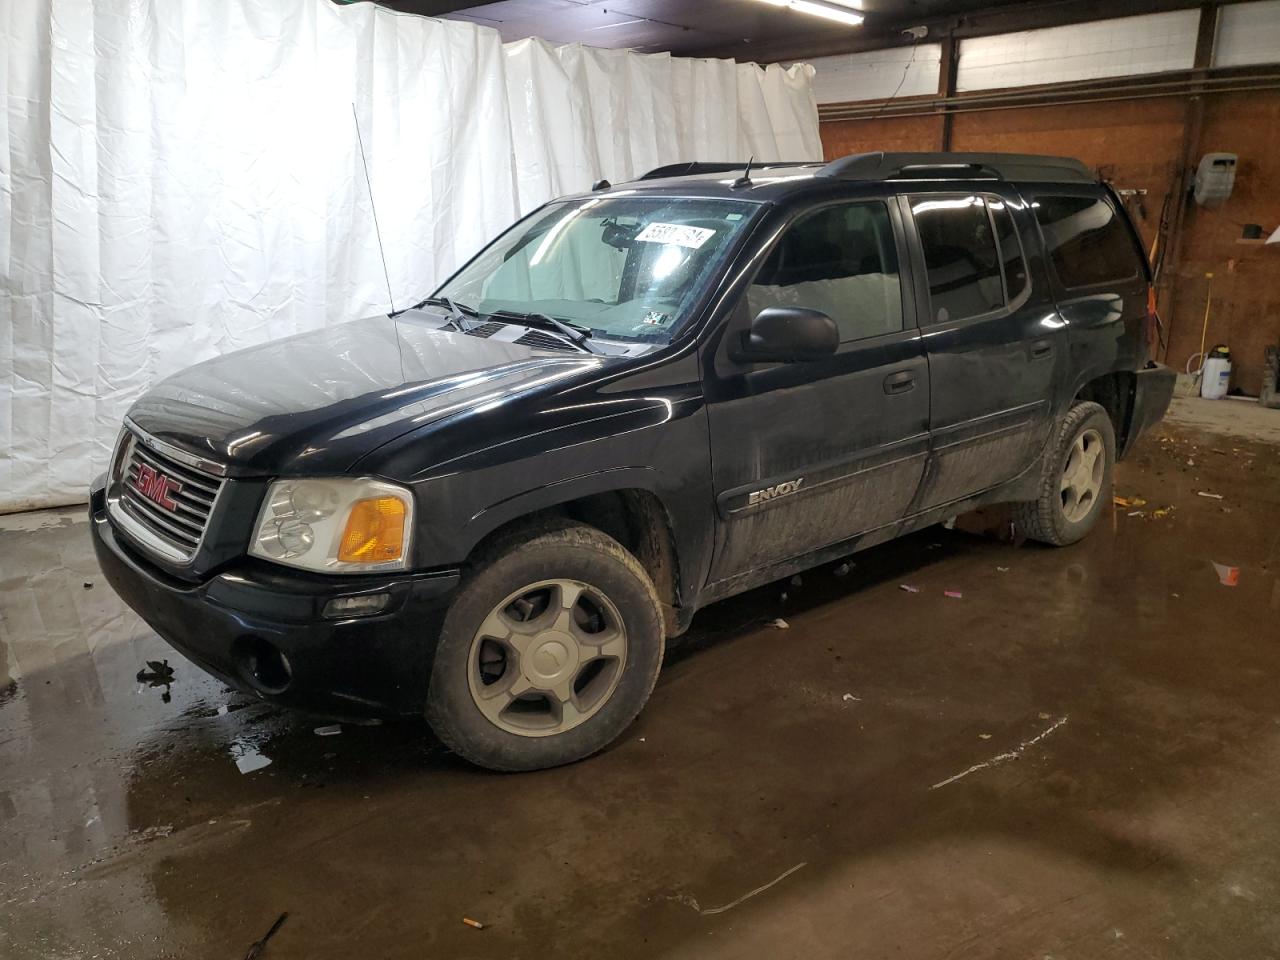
(841, 260)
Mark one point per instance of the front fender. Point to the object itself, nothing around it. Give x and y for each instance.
(659, 448)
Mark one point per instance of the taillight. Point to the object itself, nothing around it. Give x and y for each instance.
(1153, 324)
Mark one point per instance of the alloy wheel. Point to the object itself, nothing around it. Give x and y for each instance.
(1082, 476)
(547, 658)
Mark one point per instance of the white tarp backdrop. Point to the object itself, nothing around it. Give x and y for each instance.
(182, 179)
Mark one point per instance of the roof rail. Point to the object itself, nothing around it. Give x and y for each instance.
(694, 167)
(947, 166)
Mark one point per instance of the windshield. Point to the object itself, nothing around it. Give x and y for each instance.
(625, 267)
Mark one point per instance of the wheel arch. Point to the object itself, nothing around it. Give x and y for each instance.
(1114, 392)
(622, 504)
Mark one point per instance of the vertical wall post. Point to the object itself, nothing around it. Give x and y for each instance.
(947, 84)
(1192, 125)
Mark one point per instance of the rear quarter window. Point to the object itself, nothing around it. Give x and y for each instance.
(1086, 241)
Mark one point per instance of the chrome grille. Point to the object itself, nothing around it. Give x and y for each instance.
(191, 491)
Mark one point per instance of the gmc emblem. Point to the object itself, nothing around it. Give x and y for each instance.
(155, 486)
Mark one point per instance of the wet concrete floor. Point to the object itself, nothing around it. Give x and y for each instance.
(1079, 757)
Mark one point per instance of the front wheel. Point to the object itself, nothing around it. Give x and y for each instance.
(1076, 479)
(549, 652)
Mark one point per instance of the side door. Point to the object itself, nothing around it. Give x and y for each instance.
(995, 345)
(808, 454)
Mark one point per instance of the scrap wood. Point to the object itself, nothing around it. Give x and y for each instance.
(255, 950)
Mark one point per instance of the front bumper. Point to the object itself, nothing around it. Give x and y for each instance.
(1152, 391)
(234, 622)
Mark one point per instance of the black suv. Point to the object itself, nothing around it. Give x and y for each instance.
(496, 506)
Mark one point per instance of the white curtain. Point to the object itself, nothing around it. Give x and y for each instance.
(182, 178)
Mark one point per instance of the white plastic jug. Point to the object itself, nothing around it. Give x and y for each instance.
(1215, 375)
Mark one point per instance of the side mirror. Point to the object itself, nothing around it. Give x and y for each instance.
(788, 335)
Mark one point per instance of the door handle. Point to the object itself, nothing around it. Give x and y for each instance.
(899, 382)
(1041, 349)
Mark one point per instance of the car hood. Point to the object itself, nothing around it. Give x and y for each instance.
(318, 402)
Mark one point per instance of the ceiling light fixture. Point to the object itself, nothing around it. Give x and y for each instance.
(818, 8)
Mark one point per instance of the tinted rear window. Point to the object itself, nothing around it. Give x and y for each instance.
(1086, 241)
(960, 254)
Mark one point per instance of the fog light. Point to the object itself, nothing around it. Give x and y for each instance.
(362, 606)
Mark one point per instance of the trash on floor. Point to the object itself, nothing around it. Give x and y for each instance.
(850, 698)
(779, 623)
(1227, 576)
(908, 587)
(473, 923)
(1208, 495)
(1002, 569)
(257, 947)
(329, 730)
(247, 757)
(953, 594)
(1129, 501)
(88, 584)
(1159, 513)
(842, 570)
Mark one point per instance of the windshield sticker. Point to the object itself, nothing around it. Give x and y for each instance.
(655, 318)
(691, 237)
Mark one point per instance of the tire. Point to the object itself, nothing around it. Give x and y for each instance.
(1060, 516)
(518, 617)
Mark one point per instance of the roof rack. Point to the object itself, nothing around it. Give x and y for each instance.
(948, 166)
(695, 167)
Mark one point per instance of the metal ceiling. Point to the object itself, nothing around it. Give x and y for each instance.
(750, 30)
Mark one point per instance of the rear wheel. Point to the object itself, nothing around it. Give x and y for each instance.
(1075, 481)
(549, 652)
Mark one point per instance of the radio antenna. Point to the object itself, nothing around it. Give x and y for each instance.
(376, 229)
(745, 179)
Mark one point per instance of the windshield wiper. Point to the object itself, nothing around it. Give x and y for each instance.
(460, 315)
(576, 334)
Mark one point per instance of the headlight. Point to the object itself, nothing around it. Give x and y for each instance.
(339, 525)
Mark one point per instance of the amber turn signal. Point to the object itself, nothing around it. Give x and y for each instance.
(374, 531)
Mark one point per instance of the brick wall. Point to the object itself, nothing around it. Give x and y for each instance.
(1137, 144)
